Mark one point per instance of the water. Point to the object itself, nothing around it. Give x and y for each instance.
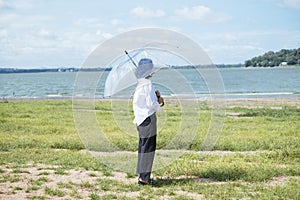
(262, 82)
(238, 83)
(37, 85)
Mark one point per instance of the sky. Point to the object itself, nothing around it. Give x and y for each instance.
(51, 34)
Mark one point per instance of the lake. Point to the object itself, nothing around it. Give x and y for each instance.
(238, 83)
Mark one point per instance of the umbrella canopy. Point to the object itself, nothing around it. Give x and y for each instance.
(124, 72)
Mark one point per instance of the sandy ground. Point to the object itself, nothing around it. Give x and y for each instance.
(35, 182)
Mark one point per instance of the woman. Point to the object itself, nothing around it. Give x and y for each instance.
(146, 102)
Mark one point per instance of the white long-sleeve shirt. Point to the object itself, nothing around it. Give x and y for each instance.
(144, 101)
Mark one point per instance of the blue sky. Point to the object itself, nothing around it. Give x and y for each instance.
(41, 33)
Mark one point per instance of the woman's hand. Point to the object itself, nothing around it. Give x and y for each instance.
(159, 98)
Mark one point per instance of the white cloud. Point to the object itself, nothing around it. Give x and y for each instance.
(33, 42)
(290, 3)
(24, 5)
(5, 4)
(89, 22)
(116, 22)
(23, 23)
(147, 13)
(235, 47)
(44, 33)
(221, 37)
(232, 53)
(68, 47)
(229, 47)
(7, 18)
(201, 13)
(18, 4)
(33, 29)
(104, 35)
(3, 32)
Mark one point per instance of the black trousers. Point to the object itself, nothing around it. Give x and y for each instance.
(147, 146)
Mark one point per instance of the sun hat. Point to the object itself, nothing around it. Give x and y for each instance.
(145, 68)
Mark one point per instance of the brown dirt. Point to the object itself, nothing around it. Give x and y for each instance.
(17, 183)
(282, 180)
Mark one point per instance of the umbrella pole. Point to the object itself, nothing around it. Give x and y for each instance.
(130, 58)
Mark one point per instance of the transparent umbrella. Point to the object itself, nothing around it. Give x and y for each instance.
(123, 68)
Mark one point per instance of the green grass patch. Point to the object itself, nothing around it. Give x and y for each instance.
(252, 168)
(54, 192)
(50, 124)
(44, 132)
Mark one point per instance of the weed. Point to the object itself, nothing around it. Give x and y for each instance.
(54, 192)
(109, 196)
(61, 172)
(92, 174)
(36, 197)
(33, 188)
(86, 184)
(68, 185)
(44, 173)
(18, 188)
(18, 171)
(94, 196)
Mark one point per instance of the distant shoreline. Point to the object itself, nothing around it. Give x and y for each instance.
(73, 69)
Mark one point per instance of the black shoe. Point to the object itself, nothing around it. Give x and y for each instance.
(144, 182)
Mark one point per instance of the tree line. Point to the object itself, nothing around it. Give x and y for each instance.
(272, 59)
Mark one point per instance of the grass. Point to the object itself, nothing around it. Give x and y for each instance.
(54, 192)
(263, 144)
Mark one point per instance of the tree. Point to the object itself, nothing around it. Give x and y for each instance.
(248, 63)
(271, 59)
